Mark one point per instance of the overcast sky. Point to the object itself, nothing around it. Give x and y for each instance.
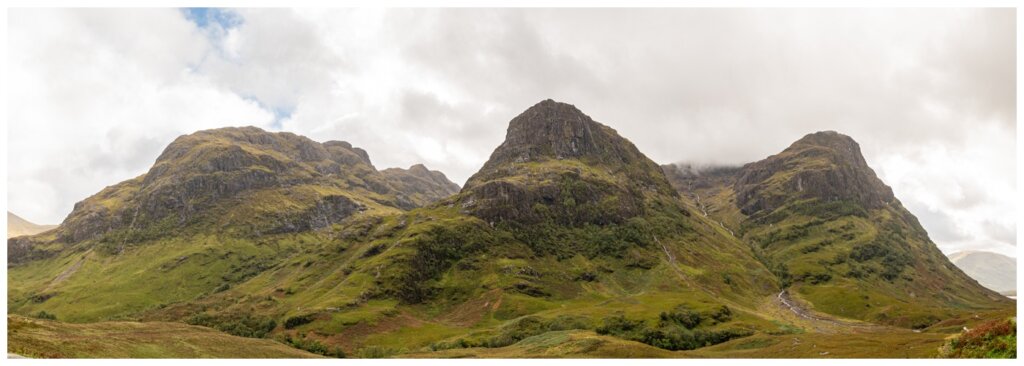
(95, 95)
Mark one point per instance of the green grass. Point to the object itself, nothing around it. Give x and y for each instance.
(49, 339)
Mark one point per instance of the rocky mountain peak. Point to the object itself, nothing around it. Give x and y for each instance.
(552, 130)
(419, 186)
(227, 168)
(843, 148)
(825, 165)
(557, 163)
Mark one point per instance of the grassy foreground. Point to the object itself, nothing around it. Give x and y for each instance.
(37, 338)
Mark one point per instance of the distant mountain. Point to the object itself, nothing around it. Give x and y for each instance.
(994, 271)
(419, 186)
(17, 226)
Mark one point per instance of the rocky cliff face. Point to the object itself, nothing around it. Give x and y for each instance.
(269, 182)
(825, 165)
(558, 164)
(419, 186)
(832, 231)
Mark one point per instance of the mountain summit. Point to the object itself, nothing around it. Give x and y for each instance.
(824, 165)
(556, 162)
(568, 236)
(554, 130)
(246, 181)
(834, 233)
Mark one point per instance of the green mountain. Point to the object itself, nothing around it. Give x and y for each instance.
(17, 226)
(216, 208)
(834, 234)
(568, 239)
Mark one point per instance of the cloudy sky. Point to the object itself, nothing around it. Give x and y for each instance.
(95, 95)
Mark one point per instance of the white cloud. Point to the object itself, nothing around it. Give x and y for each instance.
(97, 95)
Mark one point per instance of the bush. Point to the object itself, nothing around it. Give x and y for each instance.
(883, 251)
(298, 320)
(622, 327)
(995, 339)
(42, 314)
(374, 250)
(670, 334)
(722, 315)
(683, 339)
(436, 251)
(242, 326)
(681, 315)
(314, 346)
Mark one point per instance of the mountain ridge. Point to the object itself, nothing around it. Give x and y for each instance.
(568, 226)
(995, 271)
(829, 227)
(17, 226)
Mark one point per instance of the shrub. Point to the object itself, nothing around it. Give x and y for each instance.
(994, 339)
(670, 335)
(722, 315)
(622, 327)
(242, 326)
(683, 339)
(297, 320)
(436, 252)
(42, 314)
(681, 315)
(374, 250)
(314, 346)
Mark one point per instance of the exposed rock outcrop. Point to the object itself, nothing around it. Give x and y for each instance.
(419, 186)
(823, 165)
(224, 167)
(558, 164)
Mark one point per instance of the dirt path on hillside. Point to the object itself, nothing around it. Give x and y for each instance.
(800, 315)
(67, 272)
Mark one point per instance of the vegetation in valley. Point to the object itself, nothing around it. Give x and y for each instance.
(569, 243)
(994, 339)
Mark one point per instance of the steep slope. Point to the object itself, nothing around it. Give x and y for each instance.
(835, 234)
(559, 230)
(996, 272)
(419, 186)
(216, 208)
(17, 226)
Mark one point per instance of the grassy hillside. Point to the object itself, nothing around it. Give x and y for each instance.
(569, 242)
(36, 338)
(589, 240)
(834, 234)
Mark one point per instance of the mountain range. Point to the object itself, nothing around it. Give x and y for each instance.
(17, 226)
(569, 241)
(995, 271)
